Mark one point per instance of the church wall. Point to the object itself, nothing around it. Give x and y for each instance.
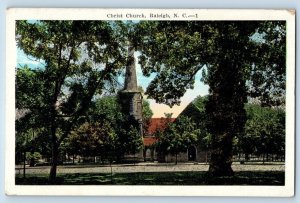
(181, 157)
(201, 157)
(137, 107)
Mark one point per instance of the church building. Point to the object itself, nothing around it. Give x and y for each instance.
(131, 101)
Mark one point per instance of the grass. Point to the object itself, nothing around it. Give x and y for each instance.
(156, 178)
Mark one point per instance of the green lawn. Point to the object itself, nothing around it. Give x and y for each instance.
(157, 178)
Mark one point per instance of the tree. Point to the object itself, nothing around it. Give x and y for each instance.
(196, 112)
(106, 111)
(94, 139)
(225, 106)
(229, 54)
(27, 126)
(128, 140)
(178, 136)
(264, 131)
(147, 114)
(81, 59)
(267, 75)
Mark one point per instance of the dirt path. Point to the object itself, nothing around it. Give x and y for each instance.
(144, 167)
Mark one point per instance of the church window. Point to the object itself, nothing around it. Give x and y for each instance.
(131, 106)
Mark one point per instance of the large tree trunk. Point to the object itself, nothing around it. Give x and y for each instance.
(227, 116)
(32, 161)
(52, 176)
(221, 155)
(54, 152)
(225, 106)
(24, 163)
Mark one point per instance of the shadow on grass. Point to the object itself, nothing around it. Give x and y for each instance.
(157, 178)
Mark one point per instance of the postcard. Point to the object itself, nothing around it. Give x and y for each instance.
(143, 102)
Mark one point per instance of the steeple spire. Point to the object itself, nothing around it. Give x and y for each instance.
(131, 97)
(130, 78)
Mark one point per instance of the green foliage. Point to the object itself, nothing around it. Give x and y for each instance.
(196, 112)
(108, 131)
(177, 136)
(28, 88)
(176, 51)
(267, 76)
(29, 111)
(159, 53)
(108, 108)
(229, 54)
(35, 156)
(30, 139)
(129, 140)
(82, 59)
(264, 131)
(147, 114)
(93, 139)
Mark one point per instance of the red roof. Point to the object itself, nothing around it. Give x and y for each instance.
(158, 124)
(148, 141)
(155, 125)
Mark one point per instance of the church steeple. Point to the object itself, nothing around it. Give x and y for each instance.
(130, 78)
(131, 97)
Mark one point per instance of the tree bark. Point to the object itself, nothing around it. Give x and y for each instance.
(221, 156)
(24, 164)
(52, 176)
(246, 156)
(32, 161)
(225, 105)
(54, 149)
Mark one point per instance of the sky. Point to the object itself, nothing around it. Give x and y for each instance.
(159, 110)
